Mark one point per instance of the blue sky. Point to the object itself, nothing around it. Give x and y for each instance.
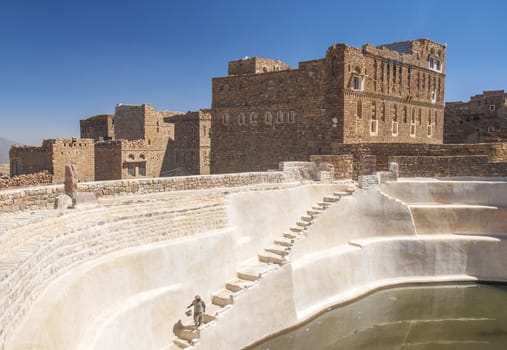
(61, 61)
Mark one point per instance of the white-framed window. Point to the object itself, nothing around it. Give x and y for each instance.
(279, 117)
(253, 118)
(131, 169)
(242, 119)
(492, 108)
(435, 64)
(395, 128)
(412, 129)
(433, 97)
(268, 118)
(356, 83)
(225, 118)
(373, 127)
(292, 117)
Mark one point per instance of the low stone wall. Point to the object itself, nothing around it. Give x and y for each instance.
(428, 166)
(44, 197)
(342, 164)
(35, 179)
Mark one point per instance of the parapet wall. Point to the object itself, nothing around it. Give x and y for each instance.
(446, 166)
(44, 197)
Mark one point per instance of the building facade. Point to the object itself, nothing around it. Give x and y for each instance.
(379, 94)
(481, 119)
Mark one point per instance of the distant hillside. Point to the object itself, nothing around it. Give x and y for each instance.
(5, 145)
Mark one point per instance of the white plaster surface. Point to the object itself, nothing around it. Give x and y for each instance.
(131, 299)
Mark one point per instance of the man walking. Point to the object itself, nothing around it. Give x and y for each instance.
(199, 309)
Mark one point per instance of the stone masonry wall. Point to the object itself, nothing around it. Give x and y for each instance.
(80, 152)
(425, 166)
(44, 197)
(342, 164)
(25, 180)
(29, 159)
(496, 152)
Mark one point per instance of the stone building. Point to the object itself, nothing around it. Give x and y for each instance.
(52, 157)
(481, 119)
(99, 127)
(265, 112)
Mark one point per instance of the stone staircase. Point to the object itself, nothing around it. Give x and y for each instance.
(269, 260)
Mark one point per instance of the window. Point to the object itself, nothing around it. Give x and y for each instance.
(395, 128)
(359, 110)
(433, 97)
(357, 83)
(131, 169)
(438, 65)
(142, 169)
(242, 119)
(383, 112)
(430, 63)
(292, 117)
(279, 117)
(253, 118)
(492, 108)
(430, 130)
(412, 129)
(268, 118)
(419, 117)
(405, 114)
(225, 119)
(373, 127)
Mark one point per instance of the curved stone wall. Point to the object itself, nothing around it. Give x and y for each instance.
(131, 297)
(93, 269)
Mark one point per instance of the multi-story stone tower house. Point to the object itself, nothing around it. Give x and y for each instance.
(265, 112)
(482, 119)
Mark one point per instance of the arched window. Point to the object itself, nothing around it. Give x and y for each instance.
(241, 119)
(279, 117)
(253, 118)
(292, 117)
(268, 118)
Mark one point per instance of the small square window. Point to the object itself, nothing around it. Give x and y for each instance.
(492, 108)
(225, 119)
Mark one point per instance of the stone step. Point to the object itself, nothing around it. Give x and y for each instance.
(324, 204)
(271, 258)
(320, 207)
(331, 199)
(237, 285)
(292, 235)
(255, 271)
(278, 250)
(190, 335)
(287, 242)
(298, 229)
(343, 193)
(303, 223)
(307, 218)
(214, 310)
(222, 297)
(313, 212)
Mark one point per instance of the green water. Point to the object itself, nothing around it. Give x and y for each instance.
(434, 317)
